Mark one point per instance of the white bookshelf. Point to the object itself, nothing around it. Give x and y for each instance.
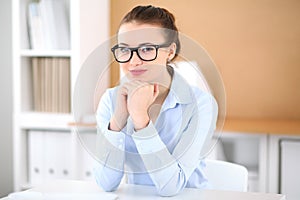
(85, 17)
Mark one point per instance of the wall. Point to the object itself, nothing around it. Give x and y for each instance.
(6, 167)
(92, 42)
(255, 44)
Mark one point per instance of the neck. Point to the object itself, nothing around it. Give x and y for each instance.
(165, 84)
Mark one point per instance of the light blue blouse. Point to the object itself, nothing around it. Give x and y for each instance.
(165, 154)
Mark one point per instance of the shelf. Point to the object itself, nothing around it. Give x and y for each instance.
(36, 120)
(83, 125)
(45, 53)
(59, 125)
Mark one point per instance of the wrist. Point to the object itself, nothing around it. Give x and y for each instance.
(140, 122)
(117, 124)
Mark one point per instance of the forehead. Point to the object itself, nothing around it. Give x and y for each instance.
(134, 34)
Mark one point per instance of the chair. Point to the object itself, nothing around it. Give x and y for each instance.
(223, 175)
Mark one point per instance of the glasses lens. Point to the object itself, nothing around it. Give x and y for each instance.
(122, 54)
(147, 52)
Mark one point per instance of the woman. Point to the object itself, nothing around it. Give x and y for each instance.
(154, 123)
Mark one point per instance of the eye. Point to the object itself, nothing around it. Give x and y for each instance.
(124, 50)
(146, 49)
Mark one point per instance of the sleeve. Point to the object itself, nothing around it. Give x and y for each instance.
(170, 172)
(110, 146)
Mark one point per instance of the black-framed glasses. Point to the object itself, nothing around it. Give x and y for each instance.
(147, 52)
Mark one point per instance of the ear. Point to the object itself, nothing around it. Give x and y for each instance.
(172, 51)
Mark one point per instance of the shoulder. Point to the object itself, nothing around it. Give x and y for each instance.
(108, 97)
(110, 93)
(198, 96)
(190, 93)
(201, 95)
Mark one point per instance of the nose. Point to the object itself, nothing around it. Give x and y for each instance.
(135, 60)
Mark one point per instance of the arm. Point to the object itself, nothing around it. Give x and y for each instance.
(112, 115)
(110, 148)
(175, 168)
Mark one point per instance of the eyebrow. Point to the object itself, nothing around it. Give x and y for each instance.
(146, 43)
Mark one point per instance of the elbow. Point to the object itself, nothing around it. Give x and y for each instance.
(107, 183)
(106, 186)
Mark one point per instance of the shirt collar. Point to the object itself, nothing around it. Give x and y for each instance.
(180, 92)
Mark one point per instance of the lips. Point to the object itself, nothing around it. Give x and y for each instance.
(137, 72)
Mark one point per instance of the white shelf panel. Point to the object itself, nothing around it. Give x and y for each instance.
(37, 120)
(45, 53)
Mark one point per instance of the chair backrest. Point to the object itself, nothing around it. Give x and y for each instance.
(223, 175)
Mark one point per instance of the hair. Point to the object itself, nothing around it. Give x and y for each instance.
(156, 16)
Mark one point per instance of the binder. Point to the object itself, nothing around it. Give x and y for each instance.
(86, 160)
(49, 156)
(58, 155)
(36, 141)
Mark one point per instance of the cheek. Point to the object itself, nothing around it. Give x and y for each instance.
(162, 57)
(124, 67)
(161, 60)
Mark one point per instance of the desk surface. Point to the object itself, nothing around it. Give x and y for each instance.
(285, 127)
(135, 192)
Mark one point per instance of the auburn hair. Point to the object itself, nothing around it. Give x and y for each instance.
(157, 16)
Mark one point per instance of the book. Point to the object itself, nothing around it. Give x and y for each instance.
(48, 25)
(61, 24)
(51, 84)
(36, 84)
(35, 26)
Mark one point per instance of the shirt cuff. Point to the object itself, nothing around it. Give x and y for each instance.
(147, 140)
(115, 138)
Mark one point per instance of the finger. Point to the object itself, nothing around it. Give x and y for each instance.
(135, 85)
(156, 90)
(131, 85)
(124, 90)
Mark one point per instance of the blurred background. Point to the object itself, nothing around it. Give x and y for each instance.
(254, 44)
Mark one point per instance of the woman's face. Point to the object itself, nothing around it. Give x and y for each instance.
(134, 35)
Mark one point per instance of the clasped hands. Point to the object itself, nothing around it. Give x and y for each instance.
(134, 99)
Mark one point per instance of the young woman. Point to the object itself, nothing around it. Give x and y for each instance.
(154, 124)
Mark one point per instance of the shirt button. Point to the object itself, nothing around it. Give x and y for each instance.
(121, 140)
(120, 146)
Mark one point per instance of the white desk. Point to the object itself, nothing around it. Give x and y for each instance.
(137, 192)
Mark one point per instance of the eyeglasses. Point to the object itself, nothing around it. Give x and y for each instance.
(145, 52)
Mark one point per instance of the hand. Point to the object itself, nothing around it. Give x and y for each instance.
(120, 116)
(140, 97)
